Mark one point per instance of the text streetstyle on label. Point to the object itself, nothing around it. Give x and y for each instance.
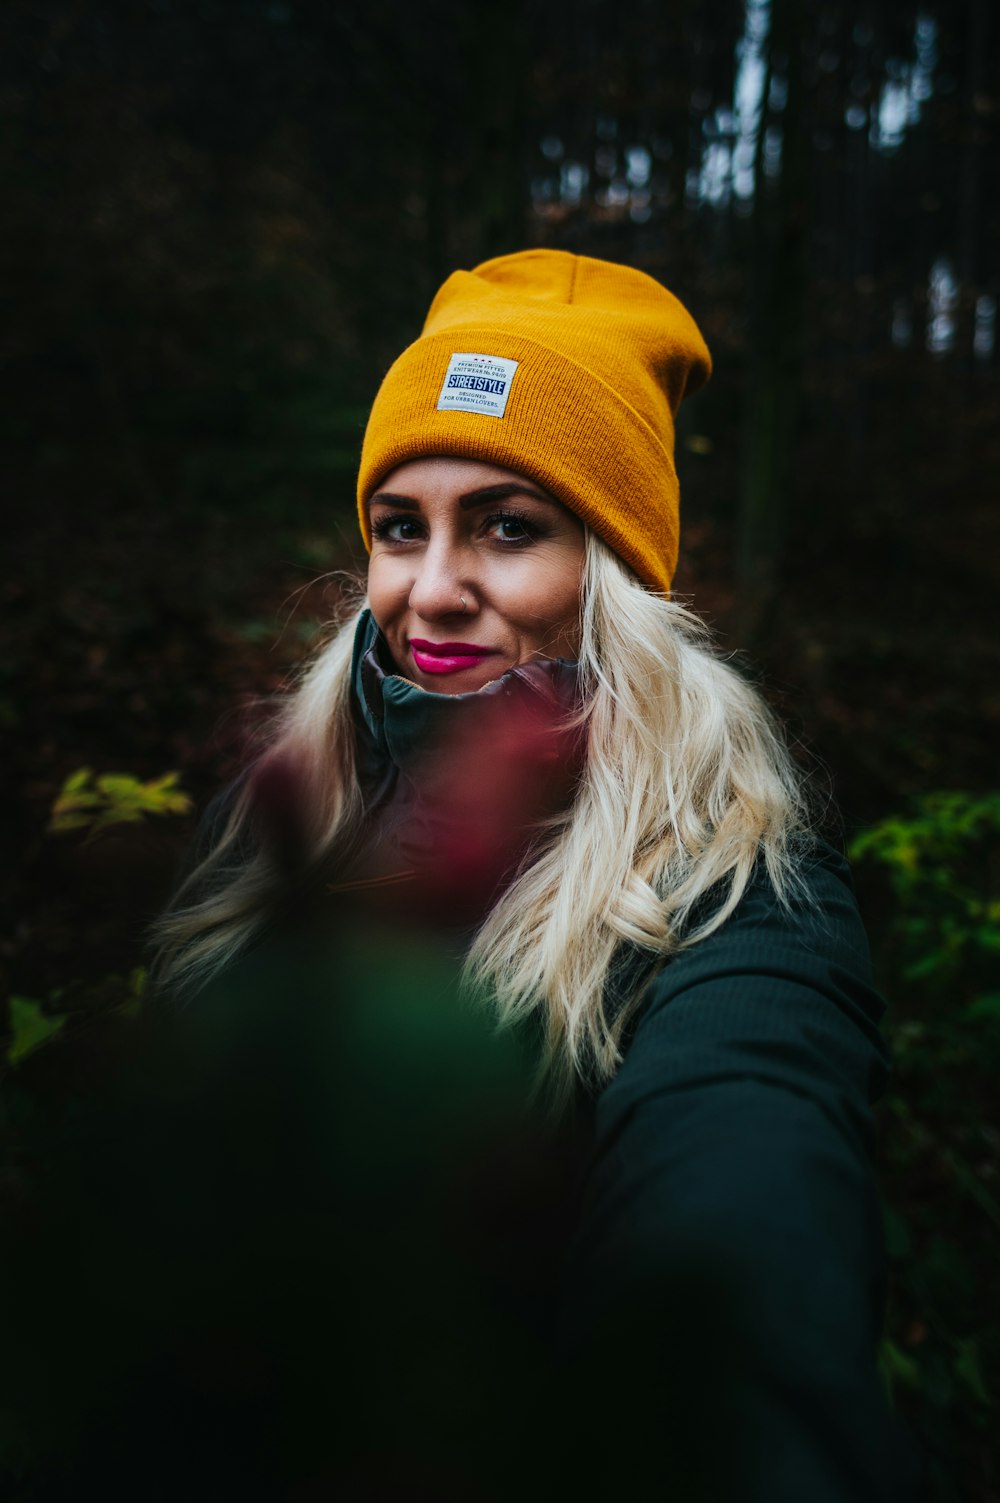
(480, 384)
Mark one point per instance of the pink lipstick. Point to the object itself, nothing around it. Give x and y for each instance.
(447, 657)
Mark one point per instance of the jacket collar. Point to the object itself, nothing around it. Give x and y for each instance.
(400, 721)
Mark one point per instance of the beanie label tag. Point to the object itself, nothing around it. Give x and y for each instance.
(477, 383)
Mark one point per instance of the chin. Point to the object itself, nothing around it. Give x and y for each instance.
(466, 682)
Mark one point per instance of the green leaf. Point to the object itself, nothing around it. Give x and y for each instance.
(966, 1367)
(62, 822)
(895, 1366)
(122, 815)
(114, 798)
(118, 785)
(168, 781)
(137, 981)
(30, 1027)
(986, 1008)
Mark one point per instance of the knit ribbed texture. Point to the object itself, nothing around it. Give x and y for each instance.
(604, 354)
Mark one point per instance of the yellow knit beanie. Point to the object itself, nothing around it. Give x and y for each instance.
(566, 369)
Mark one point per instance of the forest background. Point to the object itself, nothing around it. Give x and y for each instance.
(222, 222)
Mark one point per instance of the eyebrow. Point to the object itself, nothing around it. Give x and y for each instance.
(485, 495)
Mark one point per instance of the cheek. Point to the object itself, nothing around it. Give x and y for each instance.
(567, 616)
(387, 591)
(551, 607)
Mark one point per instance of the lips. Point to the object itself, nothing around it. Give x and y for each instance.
(447, 657)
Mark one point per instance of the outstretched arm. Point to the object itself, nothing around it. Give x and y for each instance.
(728, 1274)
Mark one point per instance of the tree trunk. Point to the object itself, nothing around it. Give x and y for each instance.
(775, 289)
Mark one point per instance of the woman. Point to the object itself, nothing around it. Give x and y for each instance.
(522, 734)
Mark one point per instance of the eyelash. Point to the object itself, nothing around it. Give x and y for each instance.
(382, 529)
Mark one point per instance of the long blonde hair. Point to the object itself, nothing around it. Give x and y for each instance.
(686, 785)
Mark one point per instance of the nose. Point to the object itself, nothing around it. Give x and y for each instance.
(442, 583)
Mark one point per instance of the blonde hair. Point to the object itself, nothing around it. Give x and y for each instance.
(687, 784)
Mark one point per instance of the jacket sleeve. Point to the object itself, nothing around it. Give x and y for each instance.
(729, 1264)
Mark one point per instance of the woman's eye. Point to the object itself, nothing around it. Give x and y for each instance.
(396, 529)
(511, 529)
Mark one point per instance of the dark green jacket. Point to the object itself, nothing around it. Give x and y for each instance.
(713, 1310)
(728, 1255)
(731, 1208)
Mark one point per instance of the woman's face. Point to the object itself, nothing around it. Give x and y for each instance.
(473, 570)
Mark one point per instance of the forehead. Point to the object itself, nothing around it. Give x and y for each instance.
(447, 476)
